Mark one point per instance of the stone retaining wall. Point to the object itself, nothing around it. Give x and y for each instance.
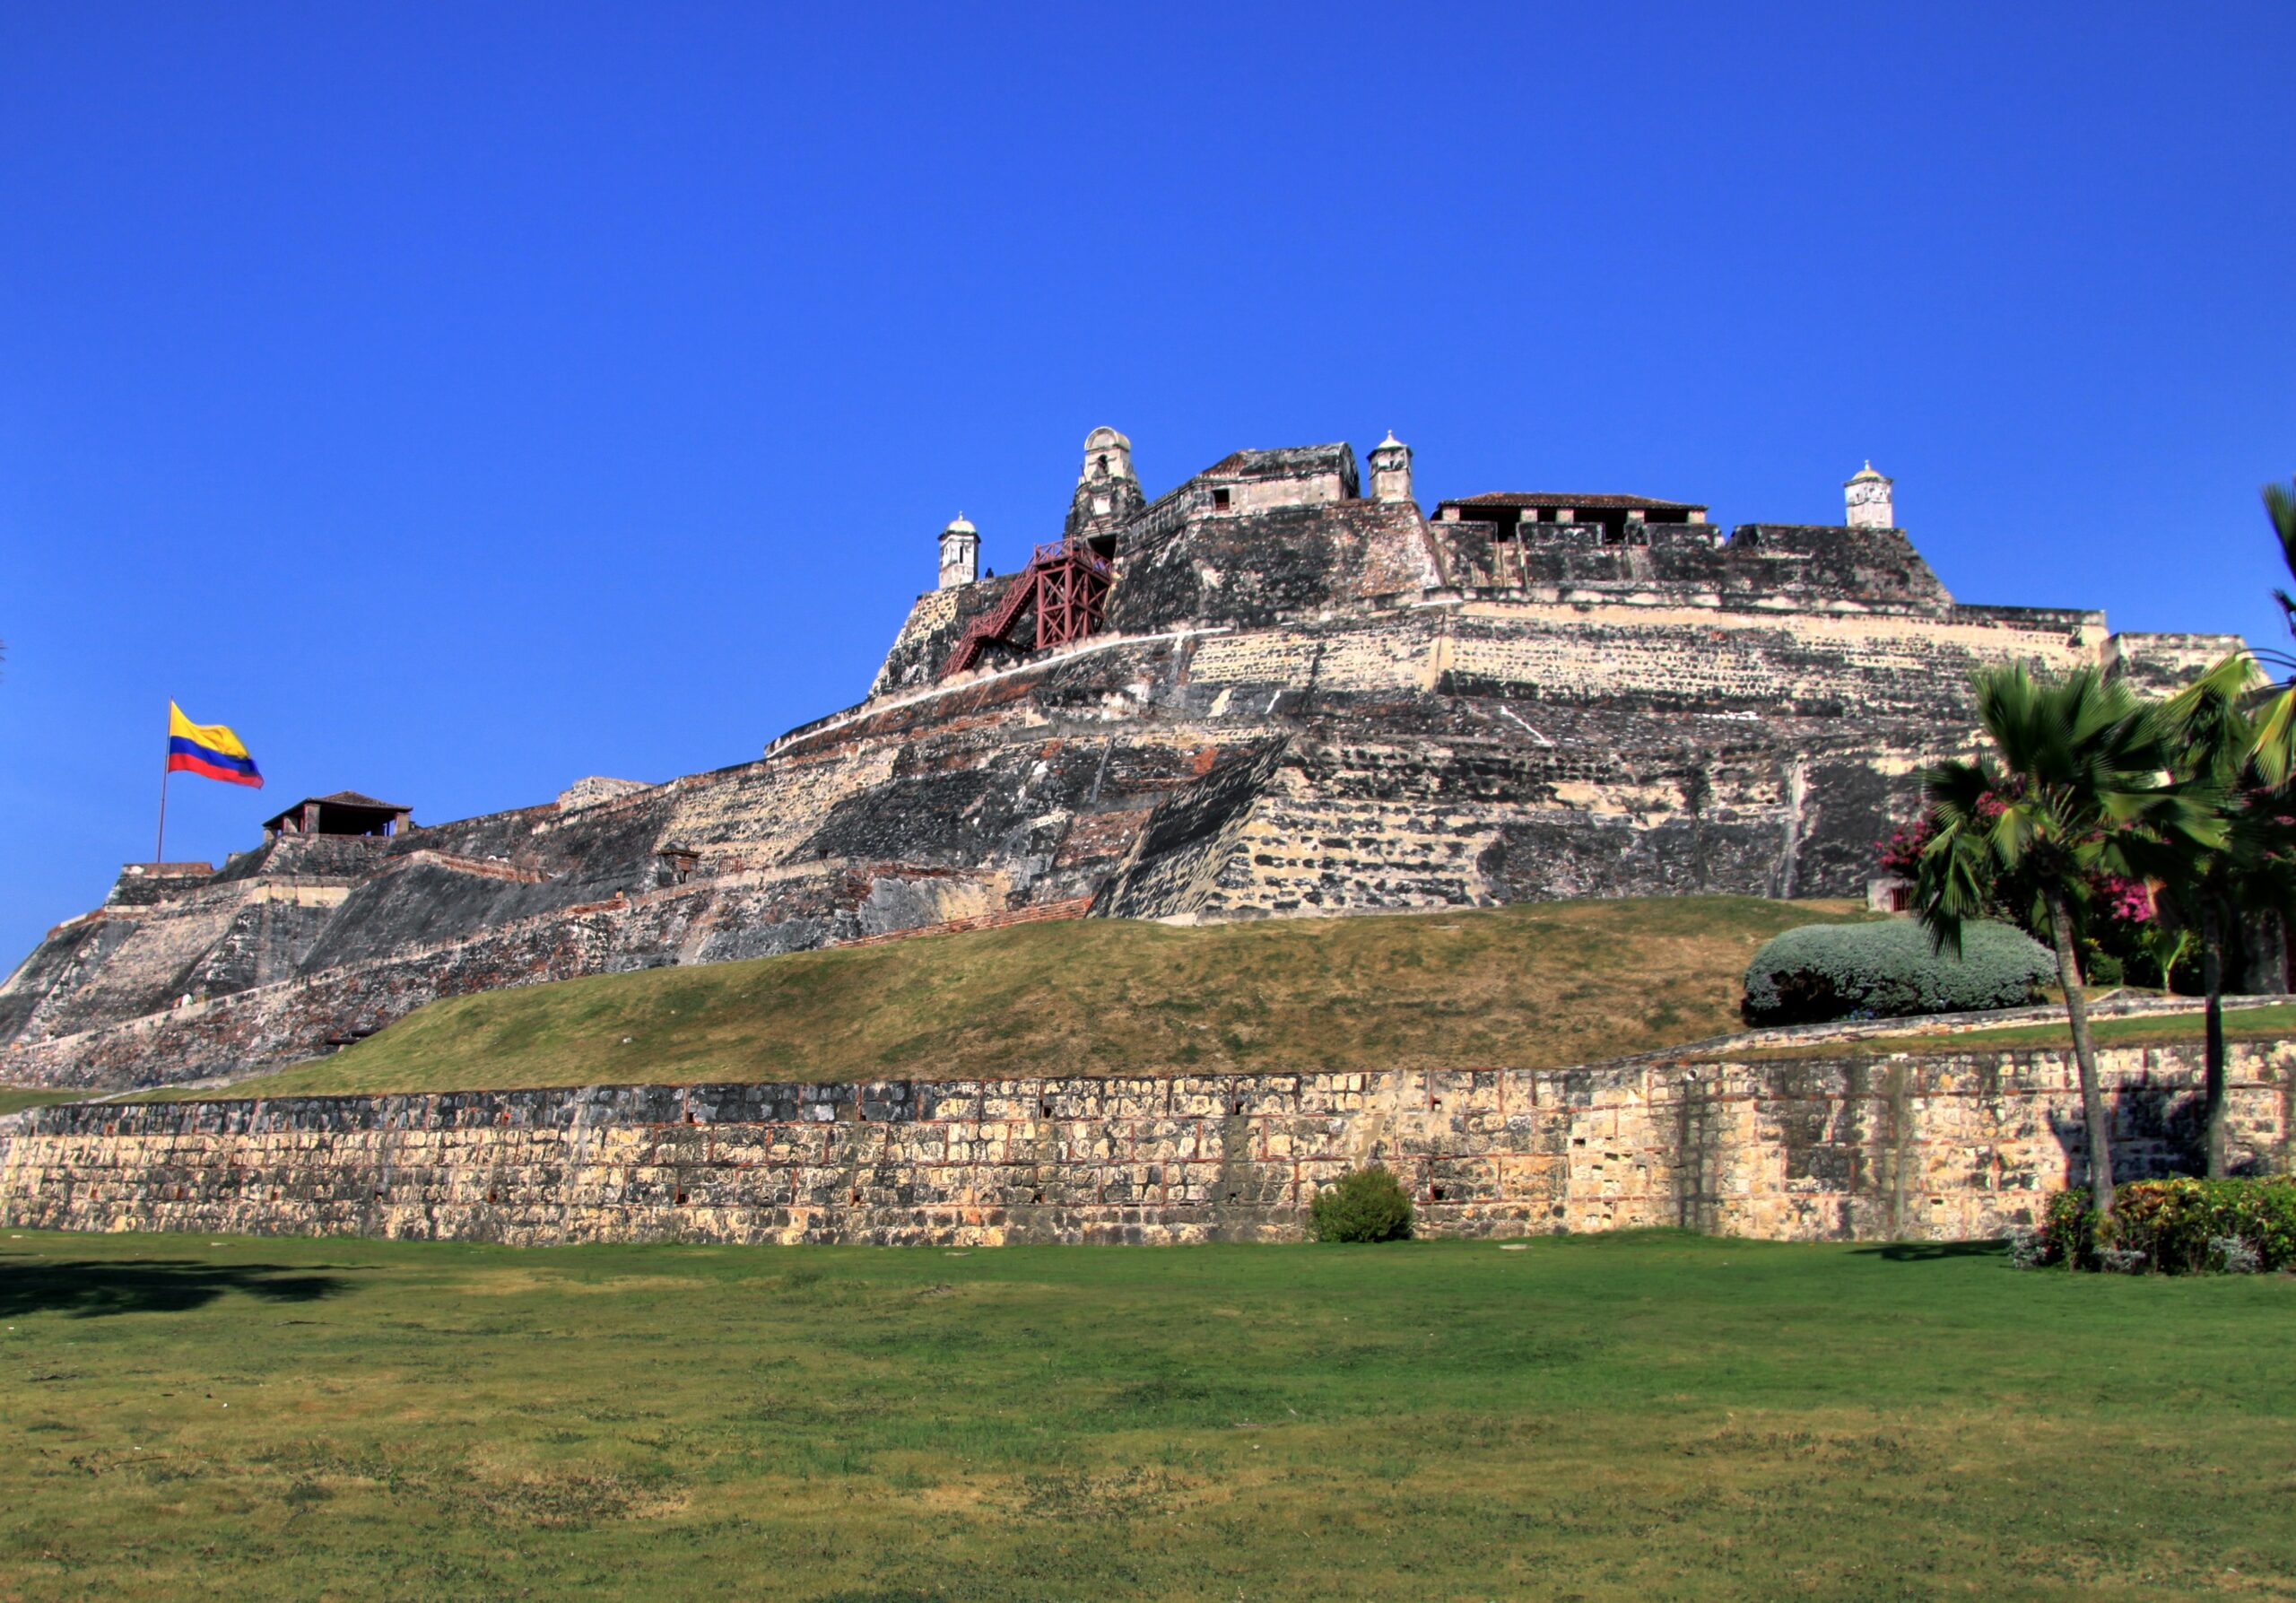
(1945, 1147)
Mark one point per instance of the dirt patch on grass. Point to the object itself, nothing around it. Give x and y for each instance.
(572, 1499)
(518, 1283)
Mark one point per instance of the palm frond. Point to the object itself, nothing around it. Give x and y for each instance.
(2004, 707)
(1950, 887)
(2209, 722)
(2274, 747)
(1950, 880)
(2280, 506)
(2091, 781)
(1956, 793)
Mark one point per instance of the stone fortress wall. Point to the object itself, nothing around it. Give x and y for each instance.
(1303, 700)
(1944, 1146)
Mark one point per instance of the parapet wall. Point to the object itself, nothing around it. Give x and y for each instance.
(1942, 1147)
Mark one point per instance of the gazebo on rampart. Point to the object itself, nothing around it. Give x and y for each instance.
(345, 813)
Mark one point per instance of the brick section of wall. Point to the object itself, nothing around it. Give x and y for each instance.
(1074, 908)
(1947, 1147)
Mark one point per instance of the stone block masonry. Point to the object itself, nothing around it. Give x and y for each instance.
(1941, 1146)
(1076, 908)
(1300, 702)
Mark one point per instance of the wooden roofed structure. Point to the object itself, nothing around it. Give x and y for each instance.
(345, 813)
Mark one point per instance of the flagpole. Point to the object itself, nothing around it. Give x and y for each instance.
(160, 850)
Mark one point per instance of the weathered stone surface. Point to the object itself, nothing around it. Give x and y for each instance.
(1940, 1146)
(1304, 701)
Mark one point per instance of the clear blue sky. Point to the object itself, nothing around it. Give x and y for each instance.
(459, 400)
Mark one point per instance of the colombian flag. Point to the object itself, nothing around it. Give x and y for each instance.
(209, 749)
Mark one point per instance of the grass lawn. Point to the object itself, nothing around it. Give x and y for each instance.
(1537, 986)
(15, 1099)
(1619, 1417)
(2272, 1022)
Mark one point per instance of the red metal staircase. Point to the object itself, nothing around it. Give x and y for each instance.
(1067, 583)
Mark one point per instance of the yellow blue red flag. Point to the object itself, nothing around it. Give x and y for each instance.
(209, 749)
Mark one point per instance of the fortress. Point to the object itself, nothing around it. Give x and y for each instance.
(1267, 692)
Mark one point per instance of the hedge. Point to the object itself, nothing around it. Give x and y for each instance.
(1822, 972)
(2173, 1227)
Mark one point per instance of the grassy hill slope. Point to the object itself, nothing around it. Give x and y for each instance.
(15, 1099)
(1540, 985)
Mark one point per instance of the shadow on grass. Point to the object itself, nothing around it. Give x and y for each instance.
(85, 1289)
(1922, 1252)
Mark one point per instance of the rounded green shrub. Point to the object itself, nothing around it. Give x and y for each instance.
(1365, 1206)
(2180, 1227)
(1823, 971)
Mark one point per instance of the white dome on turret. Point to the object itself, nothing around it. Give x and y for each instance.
(1866, 495)
(1391, 471)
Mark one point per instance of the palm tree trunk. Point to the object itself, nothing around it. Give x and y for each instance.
(2212, 980)
(2084, 1053)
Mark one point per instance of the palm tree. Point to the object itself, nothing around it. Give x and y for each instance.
(2077, 774)
(2276, 738)
(2209, 883)
(2241, 735)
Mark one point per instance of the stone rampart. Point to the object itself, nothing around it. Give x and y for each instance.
(1943, 1146)
(1299, 701)
(1423, 755)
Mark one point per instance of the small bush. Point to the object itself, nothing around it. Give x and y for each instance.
(2069, 1232)
(2176, 1223)
(1366, 1206)
(2233, 1256)
(2177, 1227)
(1825, 971)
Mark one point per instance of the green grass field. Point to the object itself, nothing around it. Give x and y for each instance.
(15, 1099)
(1537, 986)
(2272, 1022)
(1619, 1417)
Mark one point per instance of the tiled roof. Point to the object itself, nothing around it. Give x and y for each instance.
(341, 799)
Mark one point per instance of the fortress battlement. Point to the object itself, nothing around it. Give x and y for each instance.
(1280, 688)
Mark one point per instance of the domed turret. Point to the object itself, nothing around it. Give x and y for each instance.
(1391, 469)
(1108, 493)
(1107, 455)
(1867, 494)
(960, 552)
